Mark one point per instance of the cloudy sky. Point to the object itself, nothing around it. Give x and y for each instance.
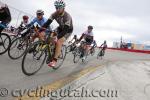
(111, 18)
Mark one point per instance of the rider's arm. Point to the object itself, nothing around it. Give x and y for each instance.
(81, 37)
(71, 39)
(95, 44)
(101, 45)
(32, 22)
(50, 20)
(47, 23)
(68, 24)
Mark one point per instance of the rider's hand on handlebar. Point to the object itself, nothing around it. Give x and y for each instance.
(42, 29)
(77, 41)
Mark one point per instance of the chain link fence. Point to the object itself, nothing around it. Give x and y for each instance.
(16, 15)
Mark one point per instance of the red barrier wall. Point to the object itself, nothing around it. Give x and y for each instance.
(131, 50)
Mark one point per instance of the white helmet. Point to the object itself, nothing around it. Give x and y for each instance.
(59, 4)
(40, 12)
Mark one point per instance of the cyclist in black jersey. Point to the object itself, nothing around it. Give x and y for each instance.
(5, 16)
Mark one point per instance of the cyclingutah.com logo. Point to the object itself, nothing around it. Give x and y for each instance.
(61, 93)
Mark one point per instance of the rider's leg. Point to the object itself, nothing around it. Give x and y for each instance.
(58, 47)
(33, 37)
(61, 40)
(42, 36)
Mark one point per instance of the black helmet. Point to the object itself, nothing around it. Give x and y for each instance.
(75, 36)
(90, 27)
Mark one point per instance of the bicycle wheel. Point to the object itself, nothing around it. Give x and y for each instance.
(33, 61)
(93, 52)
(77, 55)
(5, 42)
(61, 58)
(68, 49)
(84, 59)
(18, 48)
(100, 54)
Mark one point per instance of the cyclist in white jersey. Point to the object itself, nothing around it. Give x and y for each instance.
(88, 37)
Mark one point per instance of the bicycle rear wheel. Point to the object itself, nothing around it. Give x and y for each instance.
(77, 55)
(5, 42)
(100, 54)
(33, 59)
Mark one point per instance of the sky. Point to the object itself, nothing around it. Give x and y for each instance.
(111, 19)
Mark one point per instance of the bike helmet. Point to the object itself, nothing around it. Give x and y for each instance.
(90, 27)
(40, 12)
(25, 17)
(75, 36)
(59, 4)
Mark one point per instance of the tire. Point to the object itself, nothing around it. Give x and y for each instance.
(84, 60)
(16, 52)
(37, 55)
(100, 54)
(4, 38)
(61, 58)
(77, 55)
(68, 48)
(93, 52)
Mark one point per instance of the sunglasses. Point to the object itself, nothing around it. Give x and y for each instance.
(57, 8)
(39, 14)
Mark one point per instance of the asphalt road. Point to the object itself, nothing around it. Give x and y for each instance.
(12, 78)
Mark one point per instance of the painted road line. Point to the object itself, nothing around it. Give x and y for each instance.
(58, 84)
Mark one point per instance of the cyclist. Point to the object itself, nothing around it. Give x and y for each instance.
(74, 38)
(93, 47)
(40, 20)
(25, 22)
(64, 30)
(5, 16)
(88, 37)
(104, 46)
(73, 45)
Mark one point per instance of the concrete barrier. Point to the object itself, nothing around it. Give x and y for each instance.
(131, 50)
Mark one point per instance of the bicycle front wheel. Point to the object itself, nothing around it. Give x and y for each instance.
(33, 59)
(5, 42)
(17, 48)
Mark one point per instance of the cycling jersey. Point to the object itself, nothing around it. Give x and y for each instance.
(104, 46)
(40, 22)
(88, 36)
(94, 44)
(62, 20)
(65, 24)
(23, 24)
(5, 15)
